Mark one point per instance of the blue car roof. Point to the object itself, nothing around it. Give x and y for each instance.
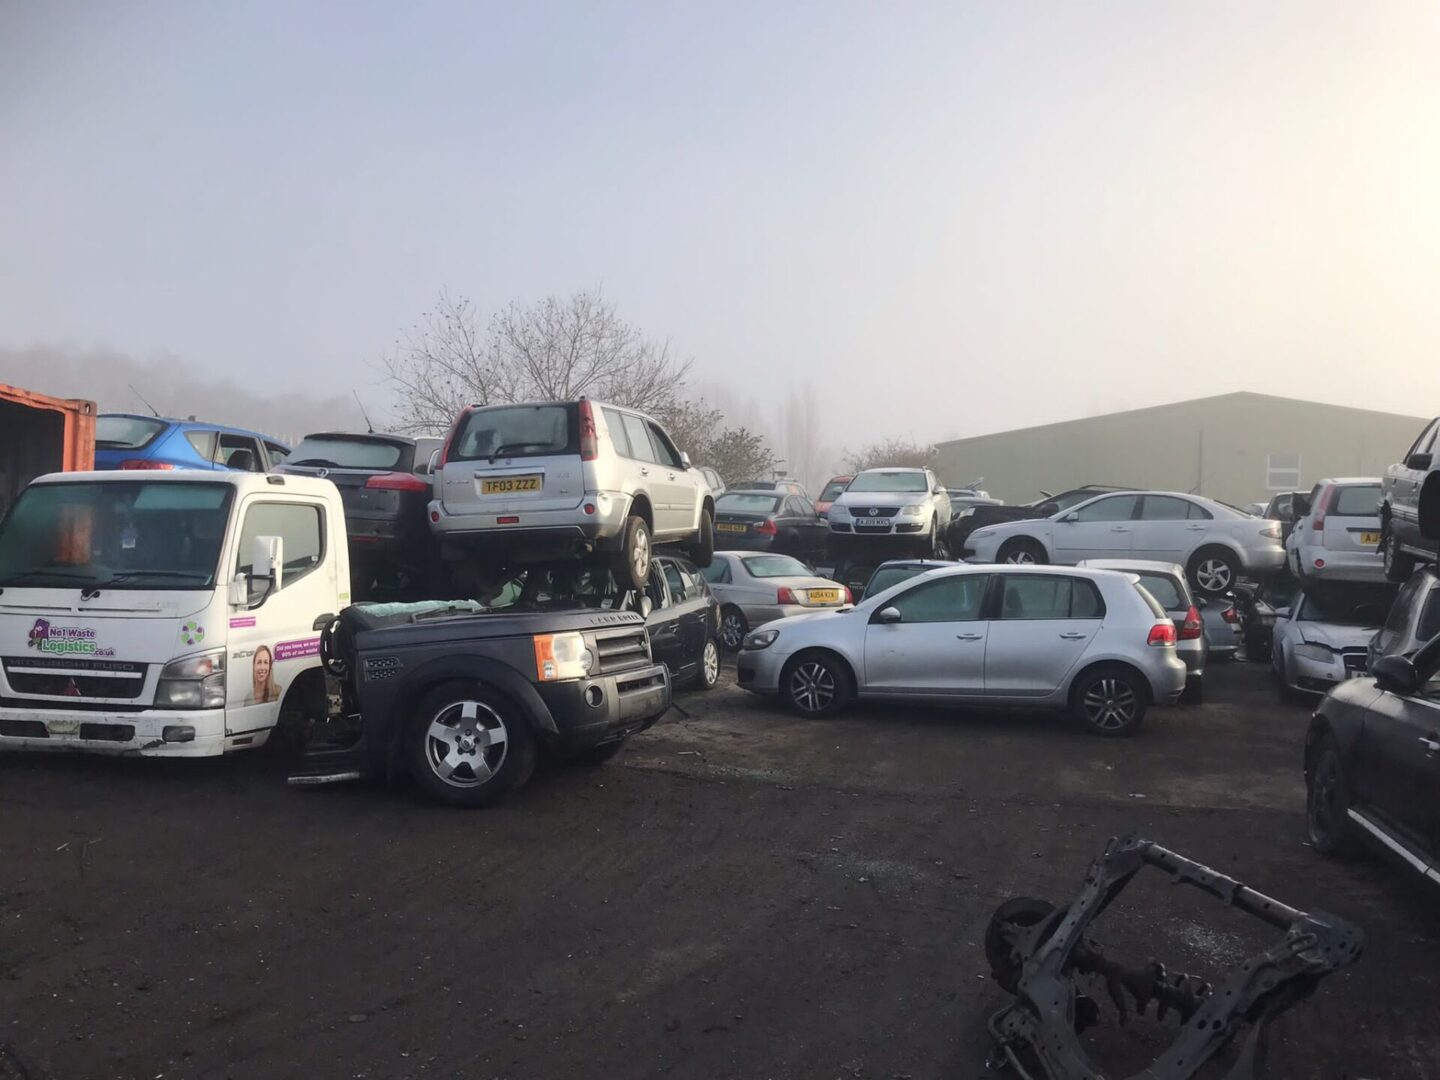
(204, 425)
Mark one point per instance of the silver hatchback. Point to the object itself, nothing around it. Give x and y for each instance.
(518, 484)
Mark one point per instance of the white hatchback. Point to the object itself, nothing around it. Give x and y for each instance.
(1338, 536)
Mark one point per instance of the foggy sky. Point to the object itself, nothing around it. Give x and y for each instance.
(944, 218)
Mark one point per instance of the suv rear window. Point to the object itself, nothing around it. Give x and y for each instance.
(326, 451)
(1362, 500)
(516, 431)
(126, 432)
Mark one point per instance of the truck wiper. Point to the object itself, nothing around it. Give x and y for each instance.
(130, 575)
(43, 572)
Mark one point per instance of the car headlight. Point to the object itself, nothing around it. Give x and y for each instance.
(911, 511)
(760, 639)
(1321, 653)
(1271, 532)
(839, 510)
(193, 682)
(562, 656)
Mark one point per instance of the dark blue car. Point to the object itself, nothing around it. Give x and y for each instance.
(127, 441)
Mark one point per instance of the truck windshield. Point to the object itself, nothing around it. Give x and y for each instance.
(115, 535)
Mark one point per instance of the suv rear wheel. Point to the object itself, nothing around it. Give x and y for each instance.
(632, 561)
(468, 745)
(702, 552)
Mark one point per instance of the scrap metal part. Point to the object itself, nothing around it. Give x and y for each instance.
(1036, 950)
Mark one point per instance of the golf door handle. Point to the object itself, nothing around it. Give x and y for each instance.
(1073, 637)
(969, 637)
(1431, 743)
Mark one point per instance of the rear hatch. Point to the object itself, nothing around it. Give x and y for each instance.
(351, 462)
(1352, 518)
(737, 515)
(507, 460)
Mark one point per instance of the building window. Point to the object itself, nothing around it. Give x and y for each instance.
(1282, 472)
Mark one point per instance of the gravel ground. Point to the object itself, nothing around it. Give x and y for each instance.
(740, 893)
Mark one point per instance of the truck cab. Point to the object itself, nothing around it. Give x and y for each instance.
(168, 613)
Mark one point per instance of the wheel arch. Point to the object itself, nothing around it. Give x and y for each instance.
(822, 650)
(641, 507)
(1024, 538)
(1109, 662)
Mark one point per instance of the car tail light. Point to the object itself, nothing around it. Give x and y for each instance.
(589, 439)
(142, 463)
(1322, 504)
(450, 435)
(396, 481)
(766, 528)
(1162, 634)
(785, 596)
(849, 596)
(1231, 616)
(1319, 564)
(1193, 627)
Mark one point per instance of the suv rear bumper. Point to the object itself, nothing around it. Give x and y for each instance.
(588, 712)
(538, 534)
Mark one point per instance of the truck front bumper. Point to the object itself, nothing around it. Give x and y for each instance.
(152, 733)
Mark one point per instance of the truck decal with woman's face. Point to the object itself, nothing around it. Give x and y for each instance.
(262, 672)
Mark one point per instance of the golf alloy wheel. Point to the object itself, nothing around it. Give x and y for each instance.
(1110, 704)
(812, 686)
(466, 744)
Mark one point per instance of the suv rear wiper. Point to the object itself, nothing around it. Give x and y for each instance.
(323, 462)
(500, 451)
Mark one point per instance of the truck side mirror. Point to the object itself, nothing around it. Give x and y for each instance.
(267, 560)
(239, 591)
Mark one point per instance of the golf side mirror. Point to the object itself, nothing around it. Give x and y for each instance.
(1395, 674)
(888, 615)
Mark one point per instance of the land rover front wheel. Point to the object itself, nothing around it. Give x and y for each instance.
(468, 745)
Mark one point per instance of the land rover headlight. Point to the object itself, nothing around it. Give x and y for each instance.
(562, 656)
(193, 682)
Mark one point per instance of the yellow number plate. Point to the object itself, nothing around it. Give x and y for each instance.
(1370, 538)
(824, 596)
(508, 485)
(732, 528)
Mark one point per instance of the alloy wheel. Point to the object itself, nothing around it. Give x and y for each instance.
(640, 559)
(466, 744)
(710, 663)
(1110, 704)
(732, 630)
(812, 686)
(1021, 557)
(1213, 575)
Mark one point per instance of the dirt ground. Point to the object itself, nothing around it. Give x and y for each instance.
(739, 894)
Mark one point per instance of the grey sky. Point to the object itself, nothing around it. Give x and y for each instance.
(945, 219)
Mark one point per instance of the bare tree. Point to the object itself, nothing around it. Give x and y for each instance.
(555, 350)
(899, 453)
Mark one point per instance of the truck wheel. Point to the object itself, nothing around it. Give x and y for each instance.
(1327, 804)
(702, 552)
(632, 562)
(467, 745)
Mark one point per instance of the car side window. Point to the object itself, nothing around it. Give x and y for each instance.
(299, 526)
(638, 437)
(1164, 508)
(239, 452)
(665, 452)
(203, 442)
(655, 589)
(1426, 441)
(795, 507)
(615, 425)
(956, 598)
(277, 453)
(1035, 597)
(678, 590)
(1115, 508)
(717, 573)
(1199, 513)
(694, 582)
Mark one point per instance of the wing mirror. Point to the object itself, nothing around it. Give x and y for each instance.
(684, 460)
(1418, 462)
(267, 563)
(1395, 674)
(647, 605)
(888, 615)
(434, 462)
(938, 490)
(1300, 508)
(1070, 519)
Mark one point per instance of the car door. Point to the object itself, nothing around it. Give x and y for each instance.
(673, 483)
(1403, 480)
(663, 623)
(1167, 528)
(1039, 629)
(938, 646)
(1097, 530)
(691, 603)
(1398, 763)
(804, 526)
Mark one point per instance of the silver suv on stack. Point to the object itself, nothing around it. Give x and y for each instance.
(518, 484)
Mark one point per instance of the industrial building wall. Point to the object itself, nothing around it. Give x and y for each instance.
(1238, 448)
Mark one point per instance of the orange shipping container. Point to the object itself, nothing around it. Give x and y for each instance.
(40, 434)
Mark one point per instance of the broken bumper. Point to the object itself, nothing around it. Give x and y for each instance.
(152, 733)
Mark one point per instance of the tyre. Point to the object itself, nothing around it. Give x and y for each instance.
(1327, 804)
(632, 561)
(1398, 565)
(468, 745)
(816, 684)
(1213, 571)
(1110, 700)
(702, 552)
(1022, 551)
(733, 627)
(709, 673)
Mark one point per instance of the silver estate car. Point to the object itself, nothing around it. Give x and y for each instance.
(540, 481)
(754, 587)
(1215, 543)
(1089, 641)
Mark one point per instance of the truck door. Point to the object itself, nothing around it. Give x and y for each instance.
(272, 636)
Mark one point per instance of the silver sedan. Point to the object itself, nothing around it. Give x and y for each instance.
(755, 587)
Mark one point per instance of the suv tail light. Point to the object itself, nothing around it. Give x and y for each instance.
(1193, 627)
(784, 595)
(1230, 615)
(766, 528)
(589, 438)
(397, 481)
(1162, 634)
(1322, 504)
(450, 435)
(142, 463)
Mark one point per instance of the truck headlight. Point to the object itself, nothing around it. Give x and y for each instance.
(561, 656)
(1320, 653)
(760, 639)
(193, 682)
